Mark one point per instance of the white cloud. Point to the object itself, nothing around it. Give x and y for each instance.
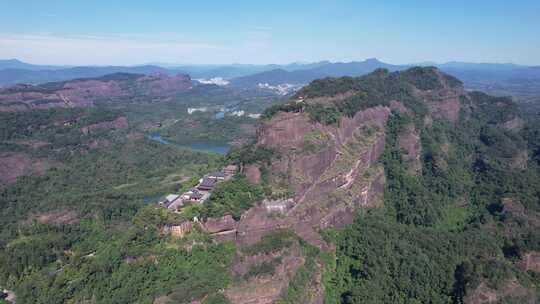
(110, 49)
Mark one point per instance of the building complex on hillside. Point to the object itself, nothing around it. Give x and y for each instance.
(201, 192)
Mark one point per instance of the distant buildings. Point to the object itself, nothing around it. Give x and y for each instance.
(255, 115)
(193, 110)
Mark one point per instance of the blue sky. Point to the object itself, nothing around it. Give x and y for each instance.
(134, 32)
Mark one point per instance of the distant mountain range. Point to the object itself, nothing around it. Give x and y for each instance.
(493, 77)
(13, 71)
(304, 76)
(17, 64)
(502, 79)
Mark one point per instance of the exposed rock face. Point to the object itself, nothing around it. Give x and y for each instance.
(280, 206)
(443, 102)
(253, 174)
(265, 289)
(179, 230)
(328, 182)
(255, 223)
(84, 92)
(330, 171)
(285, 131)
(513, 206)
(59, 217)
(514, 124)
(409, 143)
(119, 123)
(215, 225)
(519, 160)
(510, 291)
(398, 107)
(530, 261)
(448, 109)
(14, 165)
(222, 229)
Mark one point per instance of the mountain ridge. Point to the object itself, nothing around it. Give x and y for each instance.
(388, 147)
(14, 72)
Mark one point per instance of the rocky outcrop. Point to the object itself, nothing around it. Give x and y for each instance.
(519, 160)
(409, 144)
(514, 124)
(448, 108)
(179, 230)
(58, 217)
(255, 223)
(285, 131)
(119, 123)
(398, 107)
(14, 165)
(253, 174)
(279, 206)
(443, 101)
(511, 292)
(269, 288)
(9, 296)
(215, 225)
(512, 206)
(222, 229)
(327, 183)
(530, 261)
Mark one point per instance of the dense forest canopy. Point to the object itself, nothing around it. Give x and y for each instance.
(462, 218)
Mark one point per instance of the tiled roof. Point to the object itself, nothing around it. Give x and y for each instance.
(217, 174)
(171, 197)
(207, 182)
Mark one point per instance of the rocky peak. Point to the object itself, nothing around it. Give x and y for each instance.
(330, 137)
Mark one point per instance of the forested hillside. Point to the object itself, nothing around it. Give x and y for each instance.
(460, 210)
(397, 187)
(77, 194)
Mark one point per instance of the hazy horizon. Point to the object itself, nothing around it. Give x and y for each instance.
(173, 64)
(64, 32)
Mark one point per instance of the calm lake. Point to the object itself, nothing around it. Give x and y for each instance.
(201, 146)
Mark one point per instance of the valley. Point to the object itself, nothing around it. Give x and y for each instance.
(379, 188)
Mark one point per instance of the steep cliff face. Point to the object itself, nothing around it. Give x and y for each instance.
(329, 142)
(329, 139)
(327, 160)
(329, 171)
